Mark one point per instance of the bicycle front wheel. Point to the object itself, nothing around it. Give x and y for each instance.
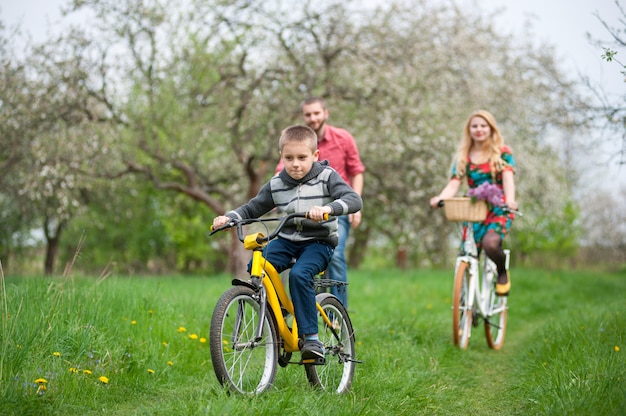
(339, 346)
(495, 322)
(242, 362)
(461, 311)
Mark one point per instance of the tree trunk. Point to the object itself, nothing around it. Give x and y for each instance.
(356, 253)
(53, 237)
(52, 250)
(402, 258)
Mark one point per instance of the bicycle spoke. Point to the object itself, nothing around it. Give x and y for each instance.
(240, 361)
(338, 339)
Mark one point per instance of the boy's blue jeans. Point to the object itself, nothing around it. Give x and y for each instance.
(338, 267)
(311, 259)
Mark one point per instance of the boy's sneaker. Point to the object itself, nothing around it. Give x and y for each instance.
(313, 352)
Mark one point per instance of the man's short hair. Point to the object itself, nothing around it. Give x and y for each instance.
(312, 100)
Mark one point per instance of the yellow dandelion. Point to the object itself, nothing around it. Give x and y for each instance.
(87, 372)
(56, 354)
(133, 322)
(73, 370)
(41, 381)
(103, 379)
(149, 311)
(225, 342)
(203, 340)
(182, 329)
(164, 343)
(617, 348)
(41, 388)
(193, 336)
(151, 371)
(170, 363)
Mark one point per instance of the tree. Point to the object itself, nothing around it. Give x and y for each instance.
(605, 228)
(202, 95)
(194, 98)
(53, 127)
(14, 104)
(404, 81)
(201, 109)
(613, 113)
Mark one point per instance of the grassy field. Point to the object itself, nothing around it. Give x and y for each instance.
(139, 346)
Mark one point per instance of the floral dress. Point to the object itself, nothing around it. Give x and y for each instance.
(477, 174)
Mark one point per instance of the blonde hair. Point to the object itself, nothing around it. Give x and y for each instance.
(497, 141)
(298, 133)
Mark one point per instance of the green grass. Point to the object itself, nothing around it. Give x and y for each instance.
(564, 351)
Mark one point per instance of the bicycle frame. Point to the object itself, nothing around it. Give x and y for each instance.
(474, 295)
(480, 283)
(274, 294)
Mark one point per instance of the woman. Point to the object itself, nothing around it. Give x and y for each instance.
(483, 157)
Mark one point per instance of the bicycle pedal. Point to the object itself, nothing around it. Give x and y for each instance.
(314, 361)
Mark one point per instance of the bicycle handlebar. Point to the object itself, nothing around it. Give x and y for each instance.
(239, 223)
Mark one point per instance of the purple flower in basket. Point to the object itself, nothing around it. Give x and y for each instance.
(487, 192)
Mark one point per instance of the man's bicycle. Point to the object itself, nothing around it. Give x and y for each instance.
(474, 296)
(253, 328)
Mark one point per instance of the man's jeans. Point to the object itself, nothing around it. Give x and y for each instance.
(338, 268)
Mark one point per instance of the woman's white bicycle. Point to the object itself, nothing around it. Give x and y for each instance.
(474, 295)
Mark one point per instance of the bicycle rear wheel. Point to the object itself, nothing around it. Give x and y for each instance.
(336, 375)
(461, 312)
(240, 361)
(495, 322)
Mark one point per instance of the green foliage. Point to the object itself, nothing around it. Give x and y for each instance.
(123, 231)
(190, 98)
(558, 357)
(609, 56)
(187, 227)
(549, 233)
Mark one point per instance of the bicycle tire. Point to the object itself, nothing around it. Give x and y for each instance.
(495, 322)
(461, 315)
(336, 375)
(242, 363)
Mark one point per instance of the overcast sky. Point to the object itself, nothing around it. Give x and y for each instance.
(565, 24)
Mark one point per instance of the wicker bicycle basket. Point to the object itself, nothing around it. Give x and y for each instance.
(463, 209)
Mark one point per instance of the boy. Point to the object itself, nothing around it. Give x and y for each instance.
(304, 185)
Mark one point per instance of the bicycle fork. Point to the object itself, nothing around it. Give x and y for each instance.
(263, 310)
(239, 321)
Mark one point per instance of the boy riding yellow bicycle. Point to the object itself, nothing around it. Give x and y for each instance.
(304, 185)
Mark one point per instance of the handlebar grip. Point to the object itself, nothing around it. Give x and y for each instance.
(440, 203)
(308, 217)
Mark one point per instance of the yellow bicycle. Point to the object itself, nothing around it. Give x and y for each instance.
(253, 328)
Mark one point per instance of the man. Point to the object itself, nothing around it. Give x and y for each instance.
(338, 147)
